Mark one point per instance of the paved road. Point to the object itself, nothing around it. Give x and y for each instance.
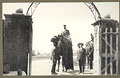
(43, 67)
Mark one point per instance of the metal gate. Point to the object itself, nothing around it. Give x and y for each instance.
(107, 42)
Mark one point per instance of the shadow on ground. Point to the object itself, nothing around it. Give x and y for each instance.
(86, 71)
(73, 72)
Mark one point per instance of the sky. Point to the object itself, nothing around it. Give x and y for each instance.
(49, 18)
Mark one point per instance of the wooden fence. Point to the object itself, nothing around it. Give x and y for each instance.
(107, 46)
(109, 51)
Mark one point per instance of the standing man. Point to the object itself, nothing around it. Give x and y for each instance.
(55, 54)
(91, 51)
(81, 57)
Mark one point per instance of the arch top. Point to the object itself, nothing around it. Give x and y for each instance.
(96, 14)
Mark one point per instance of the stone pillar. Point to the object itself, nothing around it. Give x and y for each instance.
(96, 61)
(17, 34)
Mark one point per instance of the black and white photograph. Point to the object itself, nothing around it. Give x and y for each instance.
(60, 38)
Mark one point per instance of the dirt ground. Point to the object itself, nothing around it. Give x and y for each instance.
(43, 67)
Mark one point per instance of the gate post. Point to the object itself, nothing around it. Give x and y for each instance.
(106, 47)
(17, 39)
(96, 61)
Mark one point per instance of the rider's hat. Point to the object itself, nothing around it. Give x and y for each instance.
(64, 25)
(80, 44)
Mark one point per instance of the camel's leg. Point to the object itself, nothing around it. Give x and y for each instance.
(63, 66)
(58, 65)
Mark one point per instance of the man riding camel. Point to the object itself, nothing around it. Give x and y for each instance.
(66, 33)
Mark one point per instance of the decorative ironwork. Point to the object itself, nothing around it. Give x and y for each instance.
(94, 10)
(90, 5)
(32, 8)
